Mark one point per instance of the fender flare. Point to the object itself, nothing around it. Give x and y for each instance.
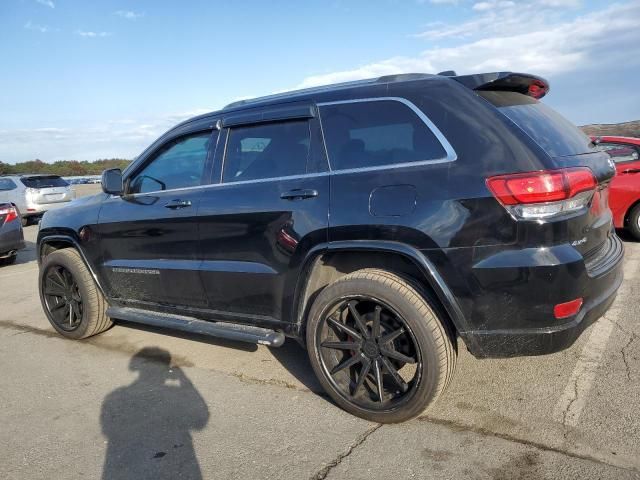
(74, 243)
(426, 267)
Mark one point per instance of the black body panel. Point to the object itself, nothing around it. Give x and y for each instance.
(240, 251)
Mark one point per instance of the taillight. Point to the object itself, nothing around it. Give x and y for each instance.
(10, 212)
(543, 194)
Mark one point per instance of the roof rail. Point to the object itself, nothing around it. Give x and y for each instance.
(324, 88)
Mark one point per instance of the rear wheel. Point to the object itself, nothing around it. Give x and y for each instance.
(377, 346)
(634, 222)
(69, 295)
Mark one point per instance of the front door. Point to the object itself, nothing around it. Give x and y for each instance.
(149, 235)
(259, 222)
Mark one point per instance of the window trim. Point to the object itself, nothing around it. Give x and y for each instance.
(451, 155)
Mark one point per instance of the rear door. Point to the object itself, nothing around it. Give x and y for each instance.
(268, 209)
(149, 236)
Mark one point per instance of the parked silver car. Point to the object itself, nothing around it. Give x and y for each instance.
(35, 194)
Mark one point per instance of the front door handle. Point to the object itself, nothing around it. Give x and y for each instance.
(632, 170)
(176, 203)
(299, 194)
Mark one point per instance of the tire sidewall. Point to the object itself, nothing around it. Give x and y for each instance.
(430, 374)
(79, 273)
(634, 219)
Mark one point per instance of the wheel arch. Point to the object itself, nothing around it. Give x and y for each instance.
(50, 243)
(329, 262)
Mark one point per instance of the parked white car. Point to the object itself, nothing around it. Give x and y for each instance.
(35, 194)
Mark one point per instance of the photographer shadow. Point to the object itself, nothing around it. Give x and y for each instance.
(148, 423)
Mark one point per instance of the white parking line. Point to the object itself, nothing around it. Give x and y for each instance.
(572, 401)
(574, 397)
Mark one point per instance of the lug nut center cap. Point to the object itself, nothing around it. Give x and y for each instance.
(370, 348)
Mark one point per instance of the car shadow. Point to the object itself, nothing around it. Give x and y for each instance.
(148, 423)
(625, 236)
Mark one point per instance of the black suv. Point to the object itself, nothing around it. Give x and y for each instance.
(376, 222)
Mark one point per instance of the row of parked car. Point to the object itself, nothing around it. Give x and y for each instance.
(380, 223)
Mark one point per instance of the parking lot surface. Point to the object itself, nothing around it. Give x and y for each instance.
(136, 402)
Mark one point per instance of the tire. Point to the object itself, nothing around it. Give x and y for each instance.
(24, 221)
(8, 260)
(65, 279)
(399, 307)
(634, 222)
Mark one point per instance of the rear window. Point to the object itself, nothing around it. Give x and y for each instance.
(375, 133)
(44, 181)
(550, 130)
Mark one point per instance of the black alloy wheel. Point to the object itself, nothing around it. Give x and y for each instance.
(62, 297)
(369, 353)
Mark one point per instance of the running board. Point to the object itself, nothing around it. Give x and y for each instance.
(230, 331)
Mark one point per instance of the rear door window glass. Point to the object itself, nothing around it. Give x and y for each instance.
(269, 150)
(376, 133)
(44, 181)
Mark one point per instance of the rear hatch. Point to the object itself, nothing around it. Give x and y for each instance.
(517, 96)
(44, 189)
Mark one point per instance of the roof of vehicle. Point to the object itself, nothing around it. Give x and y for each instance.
(29, 175)
(616, 139)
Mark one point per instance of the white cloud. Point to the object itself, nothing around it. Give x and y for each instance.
(123, 138)
(47, 3)
(492, 4)
(128, 14)
(517, 39)
(90, 34)
(37, 28)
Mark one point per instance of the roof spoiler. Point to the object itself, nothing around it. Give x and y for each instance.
(531, 85)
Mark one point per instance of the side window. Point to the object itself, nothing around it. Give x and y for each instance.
(268, 150)
(179, 164)
(375, 133)
(619, 152)
(7, 184)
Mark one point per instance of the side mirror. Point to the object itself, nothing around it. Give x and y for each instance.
(112, 181)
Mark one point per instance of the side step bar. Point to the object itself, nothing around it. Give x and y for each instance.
(230, 331)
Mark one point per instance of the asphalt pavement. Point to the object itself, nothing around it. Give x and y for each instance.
(140, 403)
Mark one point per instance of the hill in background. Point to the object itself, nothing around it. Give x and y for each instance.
(627, 129)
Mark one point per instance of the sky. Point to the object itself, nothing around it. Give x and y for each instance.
(85, 80)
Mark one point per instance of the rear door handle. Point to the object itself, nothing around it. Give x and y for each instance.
(175, 204)
(632, 170)
(299, 194)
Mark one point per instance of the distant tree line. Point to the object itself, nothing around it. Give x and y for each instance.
(64, 168)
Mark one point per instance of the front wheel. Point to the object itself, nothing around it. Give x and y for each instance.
(71, 300)
(378, 347)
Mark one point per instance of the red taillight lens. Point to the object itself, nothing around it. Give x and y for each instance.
(10, 212)
(542, 186)
(564, 310)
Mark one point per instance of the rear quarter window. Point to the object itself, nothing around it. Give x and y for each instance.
(7, 184)
(556, 135)
(375, 133)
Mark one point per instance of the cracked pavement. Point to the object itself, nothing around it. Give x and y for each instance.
(228, 410)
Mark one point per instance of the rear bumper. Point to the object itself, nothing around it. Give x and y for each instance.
(11, 238)
(38, 209)
(541, 341)
(508, 296)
